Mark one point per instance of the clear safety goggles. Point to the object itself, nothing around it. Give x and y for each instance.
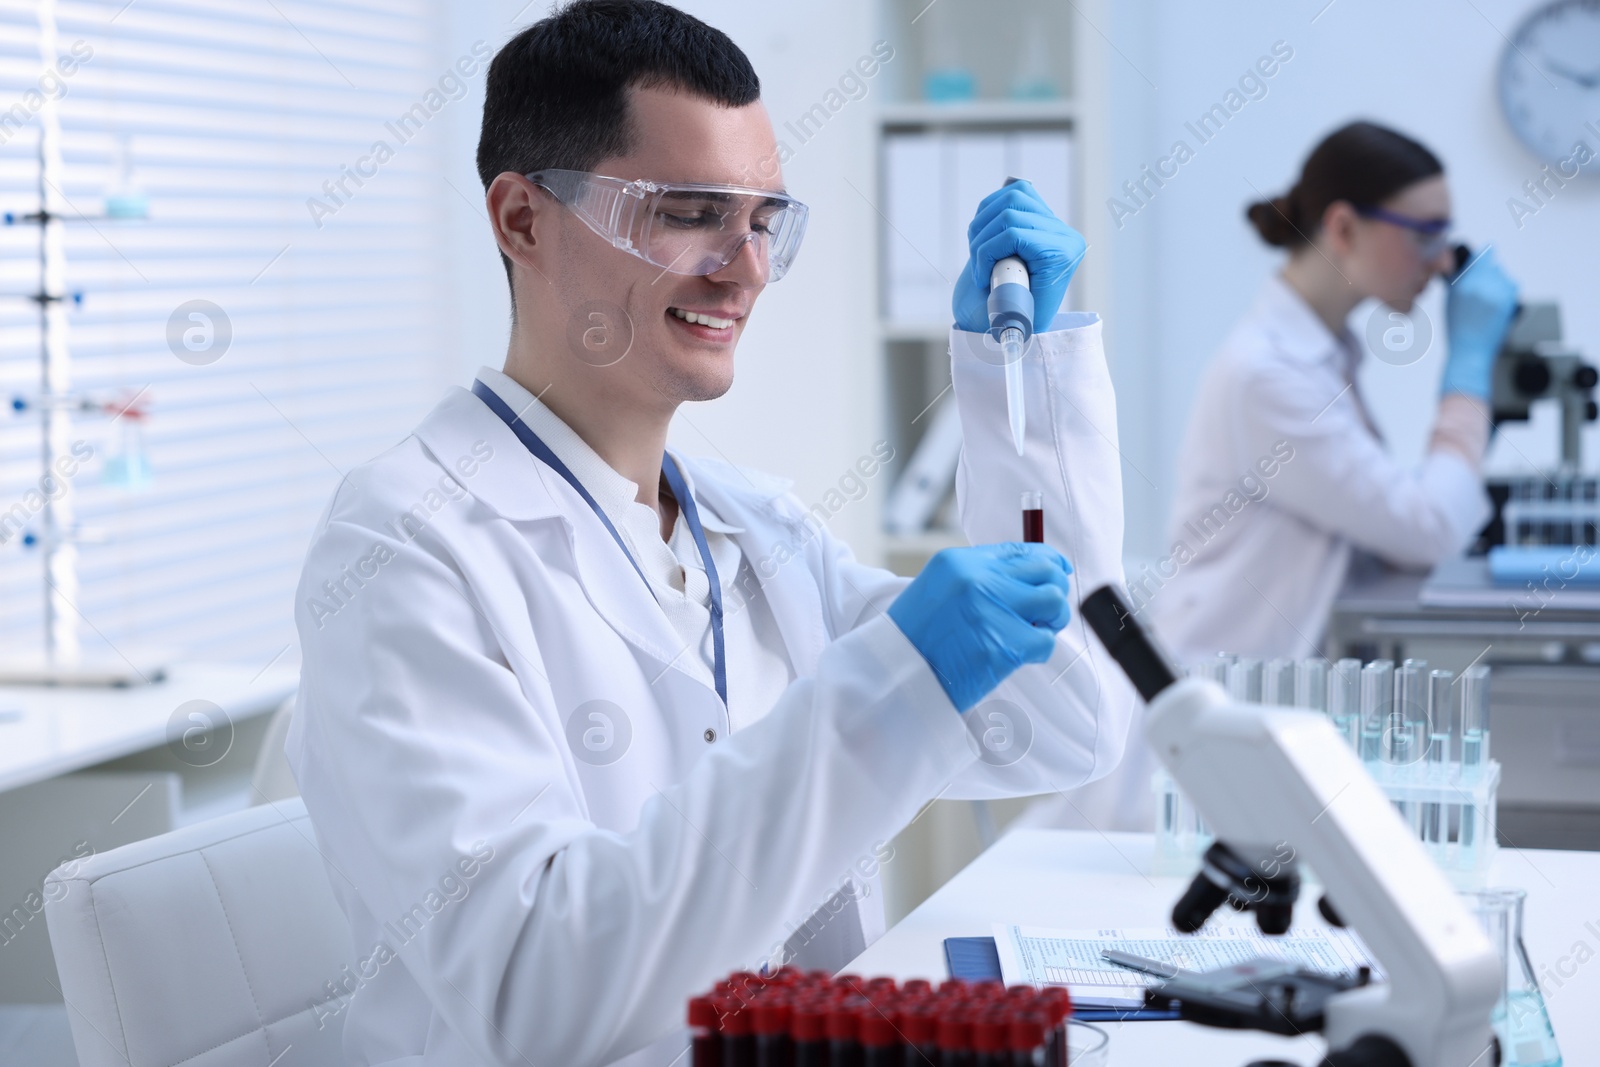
(685, 228)
(1432, 235)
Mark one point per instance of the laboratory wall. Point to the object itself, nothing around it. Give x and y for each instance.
(1171, 268)
(1181, 262)
(806, 401)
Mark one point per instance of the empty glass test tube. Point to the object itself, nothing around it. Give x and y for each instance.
(1377, 699)
(1214, 669)
(1474, 734)
(1441, 719)
(1408, 718)
(1407, 726)
(1311, 685)
(1344, 701)
(1244, 680)
(1277, 683)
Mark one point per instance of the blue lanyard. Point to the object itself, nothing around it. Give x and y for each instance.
(680, 489)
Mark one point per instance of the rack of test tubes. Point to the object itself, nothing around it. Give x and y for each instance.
(799, 1018)
(1561, 510)
(1423, 736)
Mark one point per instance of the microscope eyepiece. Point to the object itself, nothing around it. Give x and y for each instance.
(1109, 616)
(1246, 878)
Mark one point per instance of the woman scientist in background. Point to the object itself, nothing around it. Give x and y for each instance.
(1283, 476)
(1280, 412)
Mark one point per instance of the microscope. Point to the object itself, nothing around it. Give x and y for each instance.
(1278, 786)
(1535, 364)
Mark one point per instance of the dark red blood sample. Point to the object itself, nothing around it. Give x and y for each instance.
(1033, 526)
(707, 1047)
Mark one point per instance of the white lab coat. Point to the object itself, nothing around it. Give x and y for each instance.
(1281, 477)
(432, 731)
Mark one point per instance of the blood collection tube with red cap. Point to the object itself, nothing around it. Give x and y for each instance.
(769, 1018)
(791, 1019)
(1033, 517)
(991, 1037)
(919, 1026)
(705, 1042)
(880, 1038)
(954, 1037)
(844, 1038)
(738, 1042)
(808, 1030)
(1029, 1039)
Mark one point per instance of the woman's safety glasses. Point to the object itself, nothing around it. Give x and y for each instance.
(685, 228)
(1432, 235)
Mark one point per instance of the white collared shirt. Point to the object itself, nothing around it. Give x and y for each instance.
(758, 663)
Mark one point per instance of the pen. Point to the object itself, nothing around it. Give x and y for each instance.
(1142, 964)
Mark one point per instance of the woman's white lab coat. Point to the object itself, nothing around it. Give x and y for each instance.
(1281, 477)
(461, 613)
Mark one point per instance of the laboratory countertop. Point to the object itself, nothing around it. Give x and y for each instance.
(1460, 588)
(47, 731)
(1082, 879)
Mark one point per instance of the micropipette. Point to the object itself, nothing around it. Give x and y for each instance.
(1011, 324)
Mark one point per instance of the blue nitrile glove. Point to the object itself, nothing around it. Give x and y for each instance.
(1479, 306)
(977, 614)
(1015, 221)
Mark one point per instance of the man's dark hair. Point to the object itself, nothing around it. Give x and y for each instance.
(557, 93)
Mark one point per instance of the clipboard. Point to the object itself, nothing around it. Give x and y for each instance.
(975, 959)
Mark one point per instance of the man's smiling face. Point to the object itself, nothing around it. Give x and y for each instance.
(679, 138)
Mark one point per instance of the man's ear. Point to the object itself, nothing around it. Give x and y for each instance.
(518, 212)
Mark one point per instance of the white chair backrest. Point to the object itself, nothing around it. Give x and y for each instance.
(210, 946)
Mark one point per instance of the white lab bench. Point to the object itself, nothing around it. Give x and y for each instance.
(89, 769)
(1080, 878)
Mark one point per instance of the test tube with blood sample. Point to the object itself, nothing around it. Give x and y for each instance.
(1033, 517)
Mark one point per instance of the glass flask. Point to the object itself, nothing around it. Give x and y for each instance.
(1520, 1019)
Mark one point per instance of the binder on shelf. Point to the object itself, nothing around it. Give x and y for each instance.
(916, 289)
(933, 183)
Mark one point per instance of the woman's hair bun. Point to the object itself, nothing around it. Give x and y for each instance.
(1275, 221)
(1362, 164)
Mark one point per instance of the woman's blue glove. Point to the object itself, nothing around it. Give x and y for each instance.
(1015, 221)
(977, 614)
(1478, 310)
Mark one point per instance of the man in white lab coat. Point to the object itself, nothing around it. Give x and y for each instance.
(584, 725)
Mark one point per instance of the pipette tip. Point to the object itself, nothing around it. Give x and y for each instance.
(1016, 404)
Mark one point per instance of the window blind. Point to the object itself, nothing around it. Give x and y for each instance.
(239, 122)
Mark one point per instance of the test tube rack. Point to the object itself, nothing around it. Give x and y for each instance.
(1564, 510)
(795, 1018)
(1450, 805)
